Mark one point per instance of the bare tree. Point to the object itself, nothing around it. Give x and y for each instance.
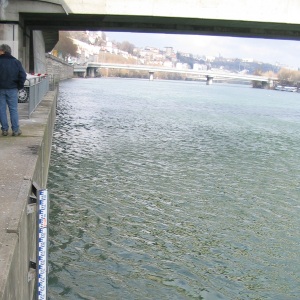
(65, 46)
(126, 46)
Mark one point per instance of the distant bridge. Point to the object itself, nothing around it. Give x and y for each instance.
(89, 70)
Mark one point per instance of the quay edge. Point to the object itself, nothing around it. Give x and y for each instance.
(24, 161)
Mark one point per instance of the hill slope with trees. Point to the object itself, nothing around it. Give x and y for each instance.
(66, 48)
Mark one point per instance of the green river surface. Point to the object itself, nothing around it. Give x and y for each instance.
(174, 190)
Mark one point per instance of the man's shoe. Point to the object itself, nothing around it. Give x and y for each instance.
(4, 132)
(17, 133)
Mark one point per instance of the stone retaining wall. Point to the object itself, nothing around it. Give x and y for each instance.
(57, 67)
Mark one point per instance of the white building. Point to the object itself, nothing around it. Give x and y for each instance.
(199, 67)
(85, 50)
(210, 58)
(168, 64)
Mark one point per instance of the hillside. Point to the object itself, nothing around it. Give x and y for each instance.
(79, 47)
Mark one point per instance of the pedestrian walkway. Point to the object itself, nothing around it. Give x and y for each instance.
(15, 157)
(18, 160)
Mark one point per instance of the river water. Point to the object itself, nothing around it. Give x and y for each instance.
(174, 190)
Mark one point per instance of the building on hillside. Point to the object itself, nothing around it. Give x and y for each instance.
(168, 64)
(185, 54)
(210, 58)
(150, 54)
(179, 66)
(199, 67)
(182, 66)
(169, 51)
(125, 54)
(109, 47)
(249, 60)
(86, 51)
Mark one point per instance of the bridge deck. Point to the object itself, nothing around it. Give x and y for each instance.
(248, 18)
(207, 73)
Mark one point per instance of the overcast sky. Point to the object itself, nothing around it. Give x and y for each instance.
(283, 52)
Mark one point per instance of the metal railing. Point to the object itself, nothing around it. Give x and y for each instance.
(38, 86)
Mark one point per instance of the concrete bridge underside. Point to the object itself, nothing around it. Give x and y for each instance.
(248, 18)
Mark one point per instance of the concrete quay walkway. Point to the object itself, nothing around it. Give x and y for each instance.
(23, 160)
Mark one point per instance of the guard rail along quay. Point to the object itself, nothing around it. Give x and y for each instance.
(35, 87)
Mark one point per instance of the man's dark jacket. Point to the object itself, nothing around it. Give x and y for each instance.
(12, 74)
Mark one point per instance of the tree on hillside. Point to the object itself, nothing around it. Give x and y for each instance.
(126, 46)
(84, 36)
(284, 76)
(65, 46)
(114, 58)
(270, 74)
(100, 39)
(80, 35)
(185, 59)
(288, 77)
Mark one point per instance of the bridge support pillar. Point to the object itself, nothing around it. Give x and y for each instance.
(270, 84)
(17, 38)
(209, 80)
(91, 72)
(151, 76)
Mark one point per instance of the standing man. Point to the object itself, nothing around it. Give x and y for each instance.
(12, 78)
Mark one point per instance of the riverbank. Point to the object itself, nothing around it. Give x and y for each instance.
(24, 161)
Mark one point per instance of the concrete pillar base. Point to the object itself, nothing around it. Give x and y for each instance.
(91, 72)
(151, 76)
(270, 84)
(209, 80)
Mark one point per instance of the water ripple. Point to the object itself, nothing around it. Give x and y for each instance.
(158, 193)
